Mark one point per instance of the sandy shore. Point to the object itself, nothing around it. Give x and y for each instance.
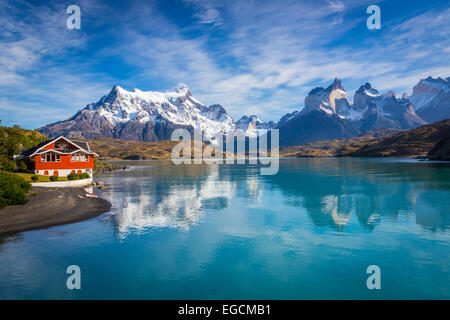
(51, 207)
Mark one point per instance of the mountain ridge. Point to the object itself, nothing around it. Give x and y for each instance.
(328, 113)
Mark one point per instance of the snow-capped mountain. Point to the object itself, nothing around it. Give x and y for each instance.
(365, 96)
(332, 100)
(431, 99)
(252, 125)
(143, 115)
(388, 108)
(335, 117)
(286, 118)
(328, 114)
(372, 110)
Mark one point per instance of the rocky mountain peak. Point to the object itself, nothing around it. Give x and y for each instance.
(431, 98)
(252, 124)
(217, 112)
(182, 88)
(153, 115)
(332, 100)
(391, 94)
(316, 91)
(336, 85)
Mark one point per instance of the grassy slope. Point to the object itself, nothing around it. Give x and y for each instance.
(441, 151)
(23, 138)
(116, 149)
(336, 147)
(27, 177)
(377, 143)
(411, 143)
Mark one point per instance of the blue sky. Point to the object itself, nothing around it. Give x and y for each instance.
(252, 56)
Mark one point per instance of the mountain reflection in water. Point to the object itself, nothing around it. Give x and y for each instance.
(331, 191)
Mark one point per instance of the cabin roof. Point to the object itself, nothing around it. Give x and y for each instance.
(30, 151)
(82, 145)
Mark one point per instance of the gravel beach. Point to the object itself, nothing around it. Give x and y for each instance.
(51, 207)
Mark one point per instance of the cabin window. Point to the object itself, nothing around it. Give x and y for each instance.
(61, 145)
(50, 157)
(80, 157)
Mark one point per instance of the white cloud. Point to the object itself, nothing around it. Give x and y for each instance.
(271, 57)
(206, 13)
(336, 6)
(33, 87)
(209, 15)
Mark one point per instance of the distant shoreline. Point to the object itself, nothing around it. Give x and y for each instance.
(51, 207)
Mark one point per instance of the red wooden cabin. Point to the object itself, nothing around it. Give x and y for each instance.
(61, 156)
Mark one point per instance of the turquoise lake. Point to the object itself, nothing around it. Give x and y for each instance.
(228, 232)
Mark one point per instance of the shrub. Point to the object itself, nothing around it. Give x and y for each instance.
(3, 202)
(34, 178)
(13, 190)
(73, 176)
(22, 165)
(84, 175)
(7, 164)
(54, 178)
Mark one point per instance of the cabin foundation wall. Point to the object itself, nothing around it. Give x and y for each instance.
(62, 172)
(64, 184)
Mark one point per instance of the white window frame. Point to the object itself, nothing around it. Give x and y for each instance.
(79, 157)
(47, 157)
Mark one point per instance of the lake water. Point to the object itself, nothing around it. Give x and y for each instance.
(227, 232)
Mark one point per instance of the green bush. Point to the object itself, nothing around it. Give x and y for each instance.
(22, 165)
(73, 176)
(7, 164)
(13, 190)
(34, 178)
(54, 178)
(84, 175)
(3, 202)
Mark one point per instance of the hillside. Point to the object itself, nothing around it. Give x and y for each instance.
(23, 138)
(336, 147)
(117, 149)
(411, 143)
(433, 139)
(13, 141)
(441, 151)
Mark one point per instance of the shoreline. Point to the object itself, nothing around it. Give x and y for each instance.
(50, 207)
